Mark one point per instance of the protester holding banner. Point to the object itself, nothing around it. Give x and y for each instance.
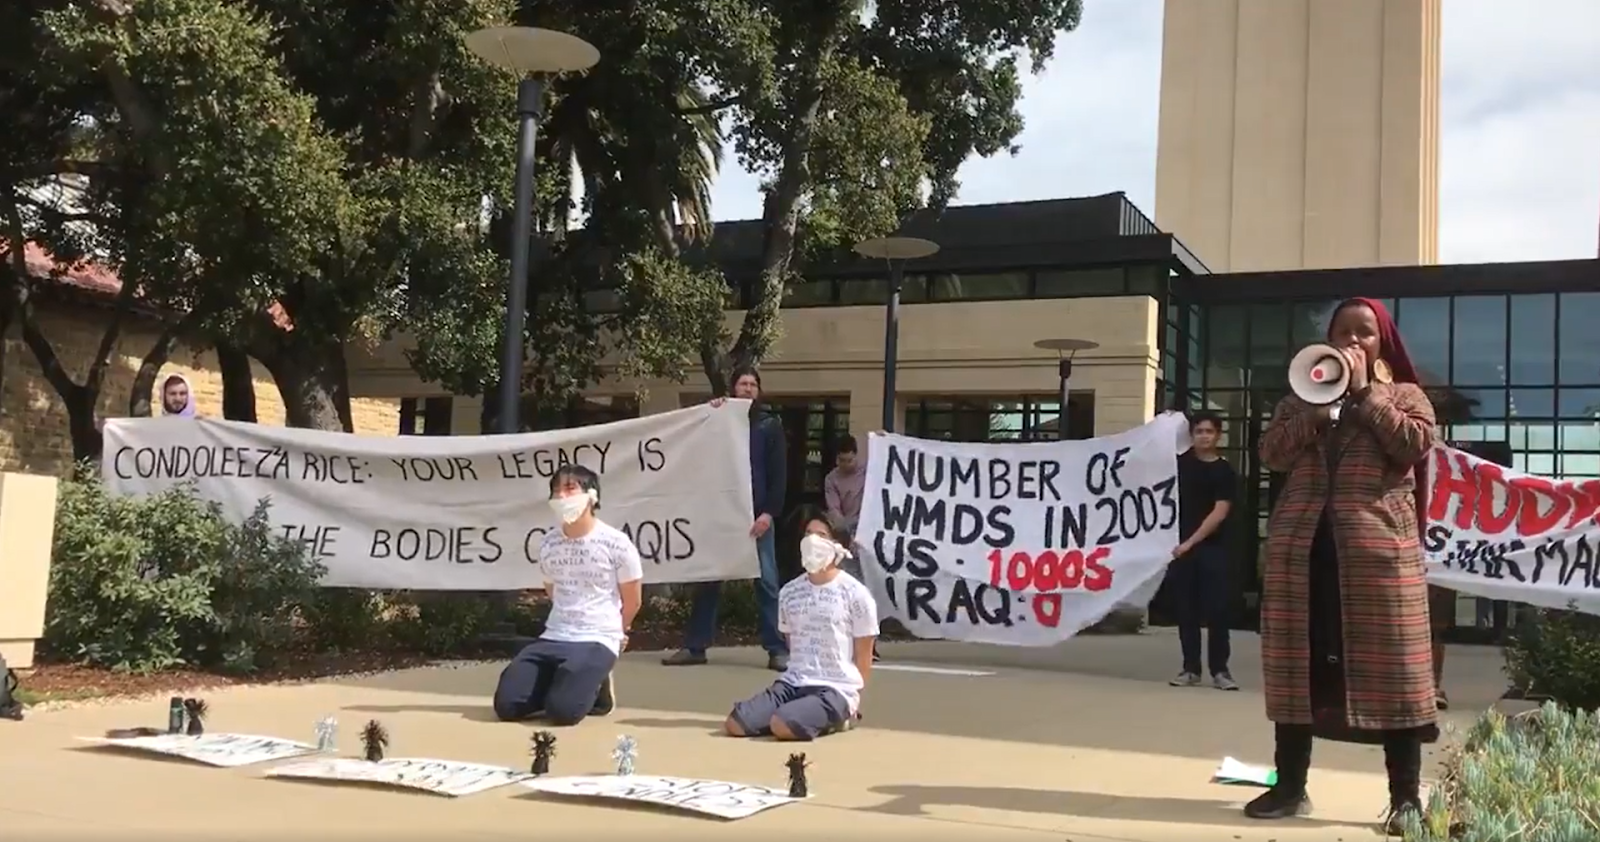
(176, 397)
(768, 480)
(1199, 574)
(1345, 642)
(844, 486)
(831, 622)
(595, 580)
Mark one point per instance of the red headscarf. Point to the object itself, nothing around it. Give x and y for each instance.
(1393, 351)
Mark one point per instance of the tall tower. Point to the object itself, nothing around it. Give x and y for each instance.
(1300, 133)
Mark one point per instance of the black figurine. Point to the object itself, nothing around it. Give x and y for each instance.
(195, 710)
(797, 775)
(544, 748)
(374, 739)
(10, 705)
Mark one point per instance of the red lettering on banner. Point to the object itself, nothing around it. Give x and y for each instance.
(1490, 503)
(1047, 609)
(1051, 571)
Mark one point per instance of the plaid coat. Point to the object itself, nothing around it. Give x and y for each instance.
(1360, 473)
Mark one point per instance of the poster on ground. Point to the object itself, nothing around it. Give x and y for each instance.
(225, 750)
(441, 777)
(1498, 533)
(461, 512)
(713, 798)
(1018, 544)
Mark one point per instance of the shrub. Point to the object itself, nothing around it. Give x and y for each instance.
(340, 619)
(148, 583)
(438, 624)
(1530, 778)
(1556, 655)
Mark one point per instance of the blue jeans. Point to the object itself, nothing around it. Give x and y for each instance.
(703, 614)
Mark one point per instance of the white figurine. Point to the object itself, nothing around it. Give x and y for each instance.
(625, 753)
(327, 734)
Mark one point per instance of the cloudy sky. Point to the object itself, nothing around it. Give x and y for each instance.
(1521, 146)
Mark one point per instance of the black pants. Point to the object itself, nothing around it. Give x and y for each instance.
(1199, 585)
(1402, 758)
(561, 679)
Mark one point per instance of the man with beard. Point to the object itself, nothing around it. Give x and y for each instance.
(768, 478)
(176, 397)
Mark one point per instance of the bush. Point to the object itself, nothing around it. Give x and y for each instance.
(149, 583)
(437, 624)
(1556, 655)
(1531, 778)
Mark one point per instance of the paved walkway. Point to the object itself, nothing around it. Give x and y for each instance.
(1083, 742)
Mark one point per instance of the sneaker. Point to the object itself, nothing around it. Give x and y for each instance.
(1224, 681)
(778, 662)
(1278, 803)
(606, 700)
(684, 658)
(1186, 679)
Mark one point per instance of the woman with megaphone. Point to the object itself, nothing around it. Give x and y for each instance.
(1345, 646)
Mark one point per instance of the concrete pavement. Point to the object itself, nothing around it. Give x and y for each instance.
(1083, 742)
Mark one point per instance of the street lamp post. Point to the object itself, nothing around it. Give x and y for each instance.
(1065, 349)
(535, 55)
(895, 251)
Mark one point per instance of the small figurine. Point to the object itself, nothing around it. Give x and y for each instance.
(176, 715)
(544, 748)
(374, 739)
(10, 705)
(195, 710)
(797, 775)
(327, 734)
(625, 753)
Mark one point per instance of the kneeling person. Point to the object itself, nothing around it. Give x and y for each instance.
(594, 578)
(831, 622)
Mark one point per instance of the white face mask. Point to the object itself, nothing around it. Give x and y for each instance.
(572, 507)
(817, 552)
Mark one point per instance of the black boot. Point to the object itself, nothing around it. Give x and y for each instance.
(1402, 757)
(1287, 798)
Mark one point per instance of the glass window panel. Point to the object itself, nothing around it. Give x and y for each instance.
(1269, 345)
(991, 285)
(1533, 340)
(1541, 436)
(1482, 403)
(1543, 464)
(864, 291)
(1578, 403)
(1532, 403)
(1479, 354)
(1075, 283)
(1579, 436)
(1230, 404)
(1147, 280)
(808, 294)
(1579, 465)
(1225, 334)
(1425, 325)
(914, 289)
(1308, 322)
(1580, 338)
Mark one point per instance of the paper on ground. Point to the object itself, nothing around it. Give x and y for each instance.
(443, 777)
(713, 798)
(929, 670)
(214, 749)
(1237, 773)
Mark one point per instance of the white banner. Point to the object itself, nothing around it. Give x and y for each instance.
(462, 512)
(441, 777)
(226, 750)
(1498, 533)
(1018, 544)
(714, 798)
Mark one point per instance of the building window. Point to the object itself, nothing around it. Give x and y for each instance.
(990, 419)
(979, 286)
(425, 416)
(582, 412)
(812, 428)
(808, 293)
(1080, 283)
(1578, 339)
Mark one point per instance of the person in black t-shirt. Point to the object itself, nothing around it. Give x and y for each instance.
(1199, 574)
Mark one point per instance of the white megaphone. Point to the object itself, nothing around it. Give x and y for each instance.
(1319, 375)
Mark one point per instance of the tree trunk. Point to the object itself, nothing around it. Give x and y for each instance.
(141, 393)
(312, 380)
(238, 383)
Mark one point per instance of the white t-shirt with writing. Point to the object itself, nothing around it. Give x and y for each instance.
(585, 605)
(823, 622)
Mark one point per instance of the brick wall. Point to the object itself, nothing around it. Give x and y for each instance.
(33, 422)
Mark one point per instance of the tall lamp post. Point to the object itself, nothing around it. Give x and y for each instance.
(535, 55)
(1065, 349)
(895, 251)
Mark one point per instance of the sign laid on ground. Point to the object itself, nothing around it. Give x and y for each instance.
(1498, 533)
(713, 798)
(461, 512)
(442, 777)
(1019, 544)
(225, 750)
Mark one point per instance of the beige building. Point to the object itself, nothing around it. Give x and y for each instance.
(1300, 134)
